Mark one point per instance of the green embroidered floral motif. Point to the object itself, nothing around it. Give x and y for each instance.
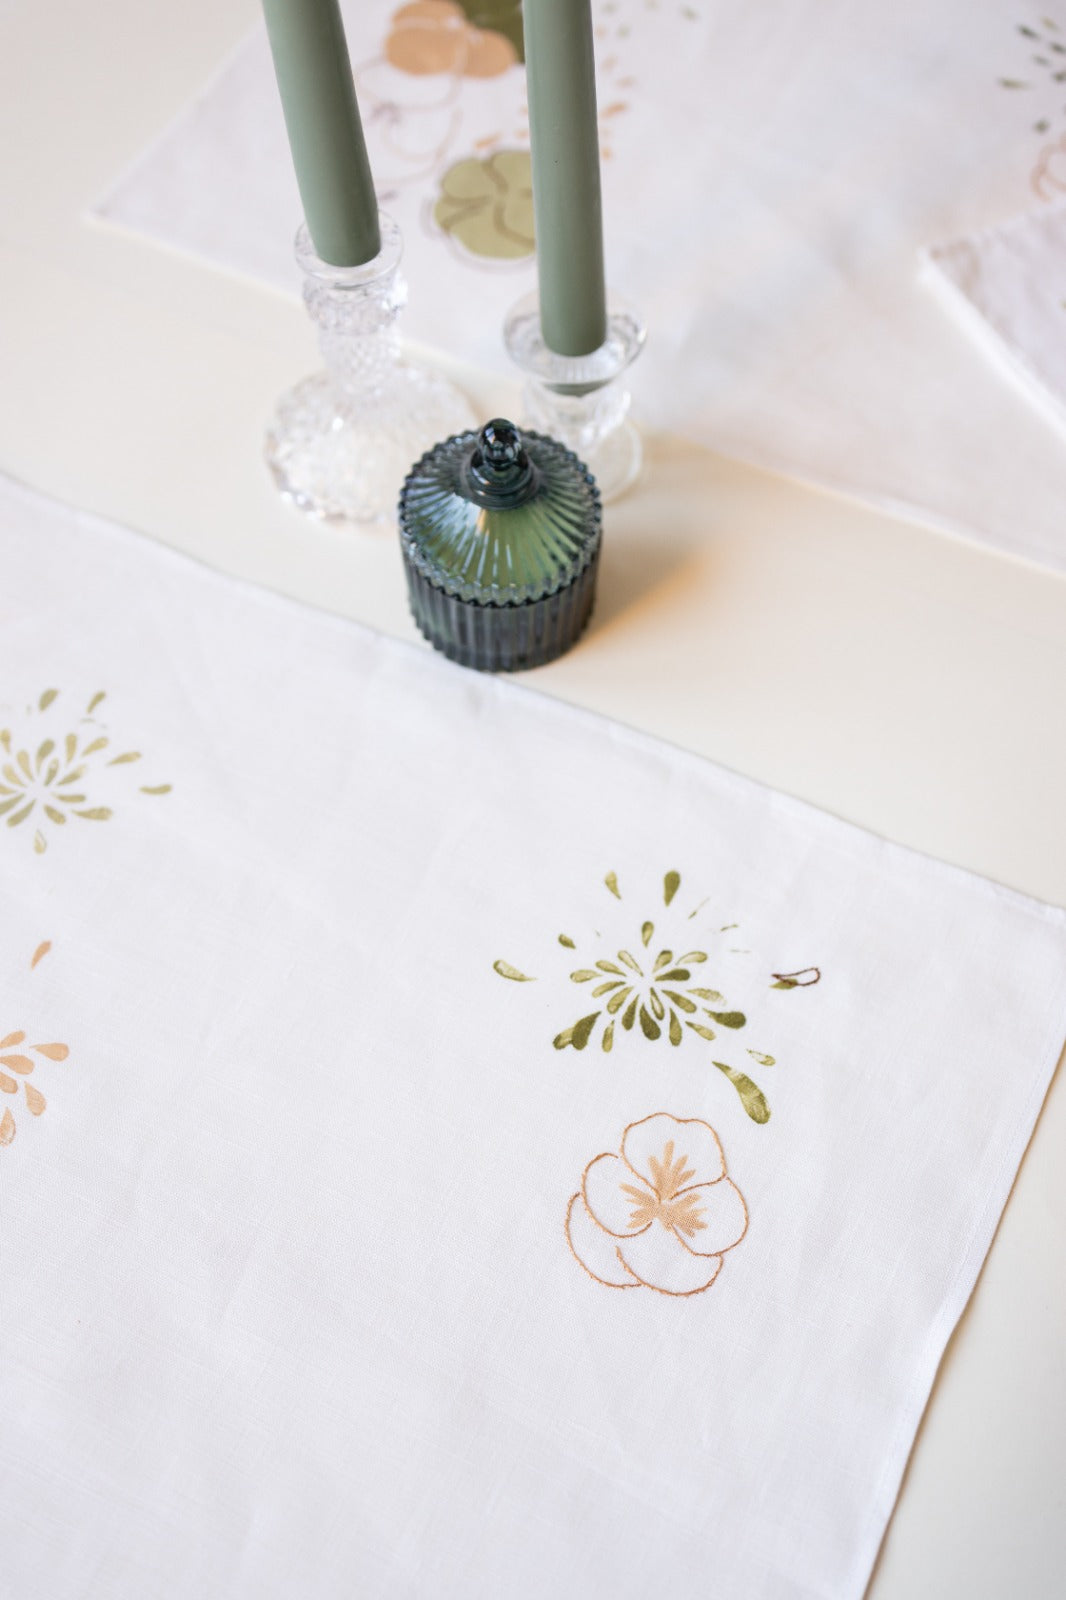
(645, 988)
(660, 991)
(487, 205)
(1044, 47)
(53, 779)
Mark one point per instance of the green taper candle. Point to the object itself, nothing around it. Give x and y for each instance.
(565, 147)
(322, 117)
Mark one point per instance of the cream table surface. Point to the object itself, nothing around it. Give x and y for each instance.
(909, 682)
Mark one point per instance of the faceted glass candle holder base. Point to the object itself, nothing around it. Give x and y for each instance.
(580, 399)
(342, 441)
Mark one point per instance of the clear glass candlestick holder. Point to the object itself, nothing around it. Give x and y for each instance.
(580, 400)
(343, 440)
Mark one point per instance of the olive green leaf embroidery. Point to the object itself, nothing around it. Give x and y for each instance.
(1036, 83)
(505, 970)
(646, 987)
(53, 769)
(1044, 48)
(751, 1096)
(649, 986)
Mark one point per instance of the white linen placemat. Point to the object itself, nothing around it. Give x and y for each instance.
(1009, 285)
(771, 177)
(453, 1146)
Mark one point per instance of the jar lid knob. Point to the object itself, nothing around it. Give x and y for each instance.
(500, 469)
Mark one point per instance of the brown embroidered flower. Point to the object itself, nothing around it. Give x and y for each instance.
(662, 1213)
(432, 36)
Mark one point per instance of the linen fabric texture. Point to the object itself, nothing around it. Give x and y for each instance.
(343, 1257)
(1005, 283)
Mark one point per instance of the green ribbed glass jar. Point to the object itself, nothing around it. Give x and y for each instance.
(501, 535)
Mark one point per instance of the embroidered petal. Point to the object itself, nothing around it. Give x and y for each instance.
(595, 1250)
(616, 1197)
(658, 1259)
(644, 1143)
(488, 53)
(427, 39)
(715, 1220)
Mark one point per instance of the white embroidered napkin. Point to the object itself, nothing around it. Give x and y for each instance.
(452, 1145)
(1009, 285)
(771, 175)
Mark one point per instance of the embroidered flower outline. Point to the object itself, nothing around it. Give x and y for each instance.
(661, 1214)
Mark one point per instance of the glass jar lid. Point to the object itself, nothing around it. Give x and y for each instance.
(499, 517)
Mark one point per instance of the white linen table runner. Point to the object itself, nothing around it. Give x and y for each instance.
(1008, 284)
(772, 175)
(454, 1146)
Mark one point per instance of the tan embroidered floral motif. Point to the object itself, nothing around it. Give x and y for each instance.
(478, 40)
(51, 771)
(17, 1064)
(662, 1213)
(643, 987)
(415, 92)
